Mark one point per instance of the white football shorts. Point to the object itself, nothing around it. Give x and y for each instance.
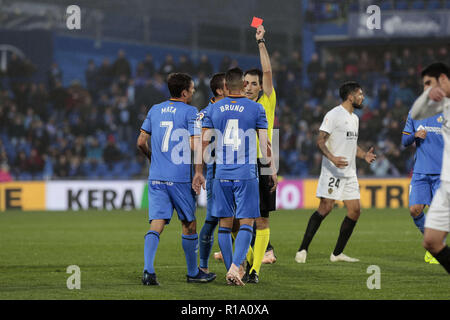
(438, 216)
(337, 188)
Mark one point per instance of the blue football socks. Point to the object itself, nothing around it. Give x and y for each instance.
(150, 247)
(206, 242)
(226, 245)
(419, 221)
(241, 244)
(190, 247)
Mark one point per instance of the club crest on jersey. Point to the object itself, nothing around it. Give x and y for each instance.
(200, 116)
(330, 191)
(440, 119)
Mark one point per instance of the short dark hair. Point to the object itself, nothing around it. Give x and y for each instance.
(217, 82)
(233, 78)
(177, 82)
(347, 88)
(435, 70)
(255, 72)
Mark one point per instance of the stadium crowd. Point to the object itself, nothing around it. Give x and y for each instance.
(48, 131)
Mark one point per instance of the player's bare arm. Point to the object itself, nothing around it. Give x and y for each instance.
(265, 62)
(369, 156)
(267, 156)
(143, 145)
(428, 104)
(339, 162)
(200, 144)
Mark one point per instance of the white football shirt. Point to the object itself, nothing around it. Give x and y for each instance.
(343, 141)
(424, 107)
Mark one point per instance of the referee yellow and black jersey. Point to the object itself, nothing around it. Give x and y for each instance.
(268, 104)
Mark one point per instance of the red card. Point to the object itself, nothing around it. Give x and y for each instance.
(256, 22)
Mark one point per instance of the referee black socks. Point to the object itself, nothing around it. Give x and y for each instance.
(313, 225)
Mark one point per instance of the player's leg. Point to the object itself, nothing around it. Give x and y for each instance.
(267, 203)
(434, 242)
(160, 213)
(346, 230)
(437, 226)
(225, 241)
(183, 199)
(261, 240)
(189, 242)
(350, 195)
(207, 231)
(224, 208)
(325, 207)
(420, 194)
(247, 209)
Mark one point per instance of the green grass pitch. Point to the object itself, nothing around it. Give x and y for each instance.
(37, 247)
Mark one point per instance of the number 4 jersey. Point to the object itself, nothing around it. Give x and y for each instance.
(171, 124)
(236, 120)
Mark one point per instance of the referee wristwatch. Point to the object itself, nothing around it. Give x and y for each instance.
(260, 40)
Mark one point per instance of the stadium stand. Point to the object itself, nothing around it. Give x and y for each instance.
(83, 120)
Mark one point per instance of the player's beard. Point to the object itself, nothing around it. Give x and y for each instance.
(356, 105)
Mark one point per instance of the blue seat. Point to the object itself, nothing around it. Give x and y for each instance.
(401, 5)
(435, 4)
(386, 5)
(418, 5)
(24, 176)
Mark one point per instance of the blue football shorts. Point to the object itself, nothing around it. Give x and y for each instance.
(422, 188)
(164, 196)
(238, 198)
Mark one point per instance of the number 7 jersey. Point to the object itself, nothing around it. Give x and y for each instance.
(236, 120)
(171, 124)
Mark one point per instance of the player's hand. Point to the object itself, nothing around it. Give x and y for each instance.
(421, 134)
(370, 156)
(436, 94)
(198, 182)
(274, 180)
(260, 32)
(340, 162)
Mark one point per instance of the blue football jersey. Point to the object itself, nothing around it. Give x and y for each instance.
(235, 119)
(171, 124)
(429, 151)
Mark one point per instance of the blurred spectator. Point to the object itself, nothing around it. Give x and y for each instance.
(225, 64)
(91, 77)
(121, 67)
(62, 167)
(105, 75)
(168, 66)
(35, 162)
(54, 75)
(314, 67)
(185, 65)
(111, 154)
(149, 65)
(205, 66)
(5, 176)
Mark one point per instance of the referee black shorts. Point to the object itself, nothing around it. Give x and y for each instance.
(267, 199)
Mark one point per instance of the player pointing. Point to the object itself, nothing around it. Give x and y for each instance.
(337, 141)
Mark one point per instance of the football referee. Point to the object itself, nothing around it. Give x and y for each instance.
(257, 81)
